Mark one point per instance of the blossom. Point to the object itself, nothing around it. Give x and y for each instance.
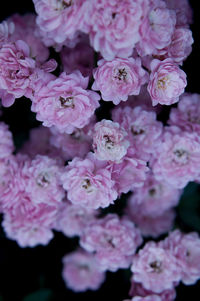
(6, 141)
(81, 271)
(177, 158)
(109, 141)
(186, 115)
(59, 20)
(65, 103)
(183, 11)
(6, 30)
(167, 82)
(81, 57)
(154, 197)
(72, 219)
(114, 26)
(156, 28)
(88, 183)
(119, 78)
(16, 69)
(186, 249)
(128, 174)
(144, 131)
(114, 241)
(156, 268)
(43, 180)
(149, 225)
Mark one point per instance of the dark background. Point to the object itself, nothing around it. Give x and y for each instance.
(35, 273)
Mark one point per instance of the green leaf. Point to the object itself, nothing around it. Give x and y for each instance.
(40, 295)
(189, 206)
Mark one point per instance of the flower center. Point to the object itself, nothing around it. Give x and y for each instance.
(86, 184)
(181, 156)
(121, 74)
(62, 4)
(43, 180)
(152, 192)
(137, 131)
(156, 266)
(67, 102)
(162, 83)
(109, 144)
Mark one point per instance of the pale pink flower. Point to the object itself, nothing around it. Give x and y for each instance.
(16, 69)
(88, 183)
(76, 144)
(72, 219)
(142, 127)
(156, 268)
(180, 47)
(114, 241)
(81, 57)
(6, 30)
(28, 223)
(8, 170)
(154, 197)
(39, 144)
(186, 249)
(60, 19)
(177, 159)
(65, 103)
(6, 141)
(81, 272)
(138, 290)
(167, 82)
(119, 78)
(109, 141)
(129, 174)
(114, 26)
(25, 27)
(43, 184)
(149, 225)
(184, 14)
(187, 114)
(147, 298)
(156, 28)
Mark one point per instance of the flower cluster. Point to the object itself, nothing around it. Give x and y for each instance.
(77, 163)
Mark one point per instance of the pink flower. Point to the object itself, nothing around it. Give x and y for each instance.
(6, 30)
(167, 82)
(43, 180)
(114, 241)
(183, 11)
(142, 127)
(114, 26)
(186, 249)
(187, 115)
(81, 57)
(177, 159)
(88, 183)
(72, 219)
(81, 272)
(129, 174)
(147, 298)
(109, 141)
(16, 69)
(154, 197)
(156, 268)
(76, 144)
(149, 225)
(39, 144)
(180, 47)
(65, 103)
(25, 27)
(138, 290)
(28, 223)
(6, 141)
(156, 28)
(60, 19)
(119, 78)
